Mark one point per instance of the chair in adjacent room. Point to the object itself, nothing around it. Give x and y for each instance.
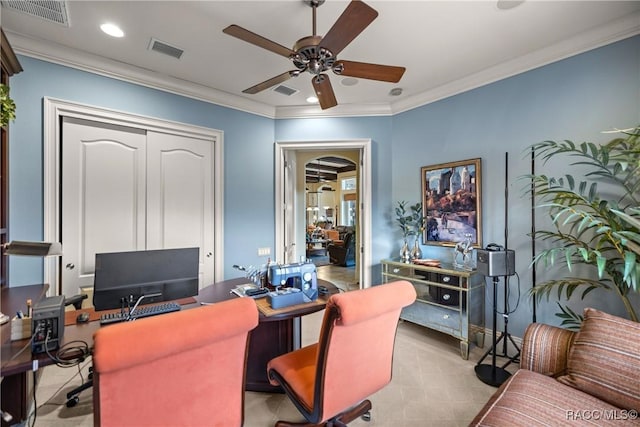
(333, 235)
(342, 252)
(330, 381)
(181, 368)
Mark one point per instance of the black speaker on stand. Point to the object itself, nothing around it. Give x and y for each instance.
(495, 262)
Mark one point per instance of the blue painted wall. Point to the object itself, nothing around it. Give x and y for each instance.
(572, 99)
(575, 99)
(248, 180)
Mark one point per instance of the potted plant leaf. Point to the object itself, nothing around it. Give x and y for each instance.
(7, 106)
(595, 219)
(404, 220)
(411, 223)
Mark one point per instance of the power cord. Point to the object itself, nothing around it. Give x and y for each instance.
(79, 347)
(508, 290)
(506, 311)
(35, 402)
(73, 377)
(26, 346)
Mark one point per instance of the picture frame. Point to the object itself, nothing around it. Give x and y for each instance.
(312, 199)
(452, 203)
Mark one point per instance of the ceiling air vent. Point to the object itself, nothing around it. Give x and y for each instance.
(285, 90)
(53, 11)
(165, 48)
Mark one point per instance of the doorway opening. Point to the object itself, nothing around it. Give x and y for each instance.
(292, 199)
(331, 194)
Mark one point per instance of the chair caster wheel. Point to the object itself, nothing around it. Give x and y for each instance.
(366, 416)
(73, 401)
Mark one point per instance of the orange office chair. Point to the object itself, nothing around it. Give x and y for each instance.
(182, 368)
(329, 381)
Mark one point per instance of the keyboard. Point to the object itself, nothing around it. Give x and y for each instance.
(139, 312)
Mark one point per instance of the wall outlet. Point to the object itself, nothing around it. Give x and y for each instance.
(264, 251)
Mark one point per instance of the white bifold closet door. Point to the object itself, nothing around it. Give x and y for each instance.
(126, 189)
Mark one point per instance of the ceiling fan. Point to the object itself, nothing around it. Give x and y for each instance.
(316, 54)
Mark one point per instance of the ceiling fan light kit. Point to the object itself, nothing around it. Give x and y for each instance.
(316, 54)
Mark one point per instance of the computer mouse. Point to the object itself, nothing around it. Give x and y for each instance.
(82, 317)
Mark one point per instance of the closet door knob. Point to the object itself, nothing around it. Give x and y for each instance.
(70, 266)
(209, 254)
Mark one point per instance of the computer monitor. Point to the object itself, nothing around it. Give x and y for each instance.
(122, 278)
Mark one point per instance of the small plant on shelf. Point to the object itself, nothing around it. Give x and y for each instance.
(7, 106)
(411, 223)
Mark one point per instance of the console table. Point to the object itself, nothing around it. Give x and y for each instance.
(449, 300)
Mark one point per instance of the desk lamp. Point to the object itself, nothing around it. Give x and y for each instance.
(24, 248)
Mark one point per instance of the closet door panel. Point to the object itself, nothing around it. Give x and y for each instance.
(179, 196)
(103, 196)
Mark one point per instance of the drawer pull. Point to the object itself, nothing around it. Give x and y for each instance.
(446, 279)
(396, 270)
(446, 316)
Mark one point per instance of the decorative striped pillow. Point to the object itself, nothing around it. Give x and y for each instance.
(604, 360)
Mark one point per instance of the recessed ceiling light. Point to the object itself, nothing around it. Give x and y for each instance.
(112, 29)
(349, 81)
(396, 91)
(509, 4)
(312, 100)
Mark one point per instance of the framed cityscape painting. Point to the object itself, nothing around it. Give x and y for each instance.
(451, 203)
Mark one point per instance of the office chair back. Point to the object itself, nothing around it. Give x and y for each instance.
(353, 357)
(182, 368)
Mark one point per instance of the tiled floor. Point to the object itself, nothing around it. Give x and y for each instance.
(431, 385)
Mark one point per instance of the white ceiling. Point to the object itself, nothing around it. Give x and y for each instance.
(447, 47)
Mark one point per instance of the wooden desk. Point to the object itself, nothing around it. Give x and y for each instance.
(273, 336)
(17, 385)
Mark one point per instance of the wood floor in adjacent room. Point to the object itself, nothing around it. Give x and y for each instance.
(431, 386)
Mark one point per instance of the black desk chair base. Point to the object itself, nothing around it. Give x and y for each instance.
(73, 396)
(362, 410)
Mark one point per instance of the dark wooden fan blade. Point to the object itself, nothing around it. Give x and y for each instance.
(268, 83)
(384, 73)
(324, 91)
(355, 18)
(255, 39)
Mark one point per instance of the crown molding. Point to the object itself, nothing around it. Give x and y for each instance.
(620, 29)
(340, 110)
(85, 61)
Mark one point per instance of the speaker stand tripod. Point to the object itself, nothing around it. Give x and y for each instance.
(492, 374)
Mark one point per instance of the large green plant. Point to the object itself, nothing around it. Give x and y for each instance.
(597, 228)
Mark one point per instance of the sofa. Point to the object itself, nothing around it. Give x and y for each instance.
(588, 377)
